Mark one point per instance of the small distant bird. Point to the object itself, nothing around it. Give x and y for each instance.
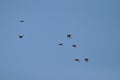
(77, 60)
(75, 46)
(69, 36)
(21, 21)
(60, 44)
(21, 36)
(86, 59)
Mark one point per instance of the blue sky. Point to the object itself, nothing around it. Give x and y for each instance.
(94, 25)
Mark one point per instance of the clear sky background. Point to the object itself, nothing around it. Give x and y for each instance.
(95, 29)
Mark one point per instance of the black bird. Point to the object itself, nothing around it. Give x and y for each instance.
(60, 44)
(75, 46)
(20, 36)
(69, 36)
(86, 59)
(77, 60)
(21, 21)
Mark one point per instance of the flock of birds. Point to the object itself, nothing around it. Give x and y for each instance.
(69, 36)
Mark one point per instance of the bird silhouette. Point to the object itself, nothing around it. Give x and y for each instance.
(21, 21)
(86, 59)
(60, 44)
(20, 36)
(75, 46)
(69, 36)
(77, 60)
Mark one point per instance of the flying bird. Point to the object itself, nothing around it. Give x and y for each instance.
(69, 36)
(75, 46)
(60, 44)
(86, 59)
(21, 21)
(77, 60)
(21, 36)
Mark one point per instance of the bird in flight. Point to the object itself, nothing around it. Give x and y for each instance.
(77, 60)
(20, 36)
(60, 44)
(75, 46)
(86, 59)
(69, 36)
(21, 21)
